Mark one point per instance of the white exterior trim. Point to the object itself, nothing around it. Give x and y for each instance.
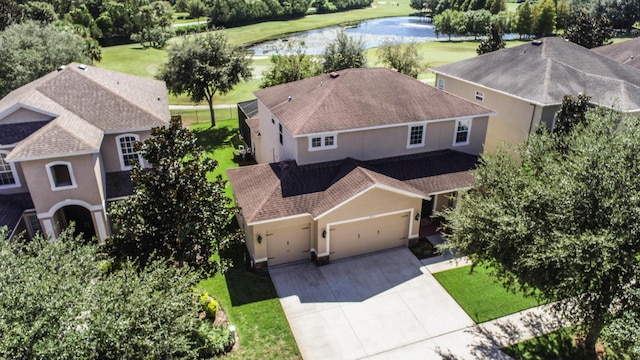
(424, 131)
(55, 156)
(455, 133)
(48, 228)
(19, 106)
(261, 222)
(369, 217)
(264, 259)
(52, 181)
(99, 220)
(69, 202)
(124, 167)
(14, 172)
(323, 145)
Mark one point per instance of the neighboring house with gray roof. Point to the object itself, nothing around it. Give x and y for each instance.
(525, 84)
(626, 52)
(66, 147)
(352, 162)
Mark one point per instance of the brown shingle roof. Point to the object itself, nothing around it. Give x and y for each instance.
(360, 98)
(85, 103)
(546, 72)
(626, 52)
(272, 191)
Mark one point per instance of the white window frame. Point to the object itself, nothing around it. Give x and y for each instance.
(455, 132)
(479, 96)
(440, 84)
(52, 179)
(323, 141)
(124, 167)
(12, 169)
(409, 129)
(33, 223)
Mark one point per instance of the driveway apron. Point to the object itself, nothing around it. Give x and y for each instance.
(360, 307)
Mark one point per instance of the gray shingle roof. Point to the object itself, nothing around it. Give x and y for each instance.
(12, 207)
(545, 73)
(86, 102)
(626, 52)
(360, 98)
(272, 191)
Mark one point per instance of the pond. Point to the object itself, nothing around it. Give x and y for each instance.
(374, 32)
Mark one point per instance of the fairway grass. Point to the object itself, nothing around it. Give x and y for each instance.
(481, 296)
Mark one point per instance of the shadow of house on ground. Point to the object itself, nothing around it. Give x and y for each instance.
(216, 138)
(245, 286)
(354, 280)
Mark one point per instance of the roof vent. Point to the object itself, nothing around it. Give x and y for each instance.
(536, 42)
(82, 67)
(60, 68)
(289, 99)
(334, 75)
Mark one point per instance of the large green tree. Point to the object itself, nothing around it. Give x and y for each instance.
(156, 25)
(343, 53)
(402, 57)
(290, 63)
(450, 22)
(545, 16)
(494, 40)
(524, 24)
(562, 225)
(589, 31)
(176, 212)
(30, 50)
(63, 299)
(203, 66)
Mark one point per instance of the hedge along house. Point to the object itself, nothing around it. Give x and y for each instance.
(66, 147)
(350, 163)
(525, 85)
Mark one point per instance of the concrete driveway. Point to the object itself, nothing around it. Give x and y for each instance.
(365, 307)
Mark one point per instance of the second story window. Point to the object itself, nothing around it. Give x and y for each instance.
(126, 149)
(61, 175)
(8, 176)
(416, 136)
(322, 142)
(280, 131)
(463, 130)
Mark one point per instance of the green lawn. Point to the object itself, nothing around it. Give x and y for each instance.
(558, 345)
(481, 295)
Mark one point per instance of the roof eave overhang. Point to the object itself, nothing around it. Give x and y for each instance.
(51, 156)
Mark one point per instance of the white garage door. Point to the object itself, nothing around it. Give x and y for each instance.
(361, 237)
(288, 244)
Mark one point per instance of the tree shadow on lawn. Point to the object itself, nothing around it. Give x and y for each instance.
(245, 286)
(216, 138)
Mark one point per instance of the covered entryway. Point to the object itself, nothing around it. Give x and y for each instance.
(288, 244)
(368, 235)
(78, 215)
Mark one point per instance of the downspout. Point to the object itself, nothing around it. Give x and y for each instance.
(533, 114)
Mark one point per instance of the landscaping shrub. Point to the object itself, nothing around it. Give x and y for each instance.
(209, 305)
(191, 29)
(214, 340)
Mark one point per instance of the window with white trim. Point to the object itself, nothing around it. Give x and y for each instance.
(479, 95)
(440, 83)
(415, 137)
(322, 142)
(61, 175)
(127, 151)
(463, 131)
(8, 175)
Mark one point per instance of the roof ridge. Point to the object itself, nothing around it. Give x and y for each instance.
(265, 199)
(318, 103)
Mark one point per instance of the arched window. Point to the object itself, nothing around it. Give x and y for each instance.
(61, 175)
(8, 174)
(126, 149)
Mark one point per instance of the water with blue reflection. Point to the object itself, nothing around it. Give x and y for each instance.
(373, 32)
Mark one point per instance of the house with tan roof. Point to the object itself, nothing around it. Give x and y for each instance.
(66, 147)
(525, 85)
(351, 162)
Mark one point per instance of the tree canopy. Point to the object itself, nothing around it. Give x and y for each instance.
(64, 299)
(203, 66)
(176, 213)
(562, 225)
(402, 57)
(288, 64)
(30, 50)
(589, 31)
(494, 40)
(343, 53)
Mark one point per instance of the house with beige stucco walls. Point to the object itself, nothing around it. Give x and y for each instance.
(350, 163)
(525, 85)
(66, 147)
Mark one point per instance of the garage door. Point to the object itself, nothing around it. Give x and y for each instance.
(288, 244)
(361, 237)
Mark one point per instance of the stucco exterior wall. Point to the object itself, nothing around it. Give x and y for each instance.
(515, 117)
(260, 252)
(109, 150)
(88, 187)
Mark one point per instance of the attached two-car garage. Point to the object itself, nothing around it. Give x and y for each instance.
(368, 235)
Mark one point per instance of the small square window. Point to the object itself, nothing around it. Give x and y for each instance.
(316, 142)
(416, 136)
(61, 176)
(328, 141)
(441, 84)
